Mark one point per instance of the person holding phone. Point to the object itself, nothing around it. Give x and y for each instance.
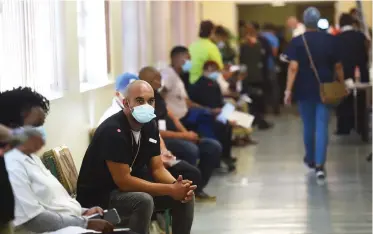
(41, 203)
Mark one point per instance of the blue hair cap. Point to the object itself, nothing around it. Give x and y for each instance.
(311, 17)
(124, 80)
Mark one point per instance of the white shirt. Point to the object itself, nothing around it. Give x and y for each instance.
(347, 28)
(299, 30)
(136, 135)
(36, 189)
(112, 110)
(176, 94)
(223, 84)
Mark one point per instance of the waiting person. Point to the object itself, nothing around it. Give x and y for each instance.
(207, 93)
(222, 41)
(202, 152)
(174, 165)
(121, 84)
(202, 50)
(191, 114)
(254, 84)
(8, 140)
(296, 27)
(353, 47)
(41, 203)
(303, 81)
(269, 32)
(121, 160)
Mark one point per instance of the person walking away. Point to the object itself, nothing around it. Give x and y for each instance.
(302, 79)
(296, 27)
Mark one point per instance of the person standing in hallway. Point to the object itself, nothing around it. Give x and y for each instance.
(353, 47)
(296, 27)
(302, 78)
(251, 55)
(204, 49)
(269, 33)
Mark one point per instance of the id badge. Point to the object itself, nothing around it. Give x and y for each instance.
(162, 125)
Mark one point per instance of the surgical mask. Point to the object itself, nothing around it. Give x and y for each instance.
(144, 113)
(213, 75)
(42, 132)
(187, 66)
(221, 44)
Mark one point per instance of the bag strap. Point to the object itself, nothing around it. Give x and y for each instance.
(310, 58)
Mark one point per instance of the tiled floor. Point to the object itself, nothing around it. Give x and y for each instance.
(272, 191)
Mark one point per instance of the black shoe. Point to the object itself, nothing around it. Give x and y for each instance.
(233, 159)
(342, 133)
(320, 173)
(264, 125)
(310, 165)
(230, 165)
(204, 197)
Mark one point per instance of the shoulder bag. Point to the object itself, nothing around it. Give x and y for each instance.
(330, 92)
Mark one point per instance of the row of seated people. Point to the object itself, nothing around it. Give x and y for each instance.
(128, 164)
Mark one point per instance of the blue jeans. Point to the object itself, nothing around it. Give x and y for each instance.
(207, 151)
(315, 117)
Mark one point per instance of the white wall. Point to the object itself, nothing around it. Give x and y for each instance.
(75, 113)
(72, 116)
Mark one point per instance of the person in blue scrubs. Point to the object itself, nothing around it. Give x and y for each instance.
(269, 34)
(303, 87)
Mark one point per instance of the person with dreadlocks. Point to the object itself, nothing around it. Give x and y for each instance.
(41, 202)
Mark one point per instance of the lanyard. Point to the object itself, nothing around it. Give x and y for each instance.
(137, 152)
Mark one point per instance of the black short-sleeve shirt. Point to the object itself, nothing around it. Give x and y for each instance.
(207, 92)
(114, 141)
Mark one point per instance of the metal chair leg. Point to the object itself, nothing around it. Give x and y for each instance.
(167, 215)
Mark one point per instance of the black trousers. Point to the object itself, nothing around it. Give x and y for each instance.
(188, 172)
(224, 134)
(258, 105)
(346, 112)
(345, 115)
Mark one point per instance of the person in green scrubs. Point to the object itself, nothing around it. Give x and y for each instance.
(203, 50)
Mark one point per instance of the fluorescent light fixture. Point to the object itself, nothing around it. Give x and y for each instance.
(278, 3)
(323, 24)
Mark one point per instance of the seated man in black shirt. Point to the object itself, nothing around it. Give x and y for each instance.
(184, 144)
(207, 93)
(116, 166)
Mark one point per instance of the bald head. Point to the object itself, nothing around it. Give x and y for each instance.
(138, 93)
(292, 22)
(137, 87)
(152, 76)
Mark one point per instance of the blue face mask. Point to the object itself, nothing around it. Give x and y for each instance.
(187, 66)
(42, 132)
(144, 113)
(213, 75)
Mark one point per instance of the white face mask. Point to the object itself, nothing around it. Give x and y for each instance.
(221, 44)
